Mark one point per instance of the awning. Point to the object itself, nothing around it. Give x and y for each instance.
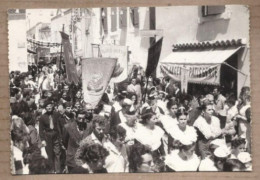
(202, 66)
(212, 56)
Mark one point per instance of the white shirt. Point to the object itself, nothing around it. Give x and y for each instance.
(130, 132)
(116, 161)
(122, 117)
(18, 157)
(150, 137)
(117, 106)
(168, 122)
(207, 165)
(208, 130)
(175, 162)
(189, 132)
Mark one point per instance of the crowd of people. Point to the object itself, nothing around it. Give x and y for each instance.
(146, 126)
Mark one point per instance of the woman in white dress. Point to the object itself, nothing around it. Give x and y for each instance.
(183, 159)
(150, 135)
(208, 129)
(181, 131)
(169, 120)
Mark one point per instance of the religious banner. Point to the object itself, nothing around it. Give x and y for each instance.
(154, 53)
(201, 74)
(119, 52)
(68, 58)
(184, 79)
(96, 74)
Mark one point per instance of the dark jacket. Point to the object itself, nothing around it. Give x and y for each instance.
(44, 126)
(71, 140)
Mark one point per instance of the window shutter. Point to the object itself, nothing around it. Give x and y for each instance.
(113, 19)
(212, 10)
(104, 20)
(123, 17)
(135, 16)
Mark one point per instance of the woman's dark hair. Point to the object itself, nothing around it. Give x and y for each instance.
(204, 105)
(93, 151)
(135, 156)
(243, 90)
(180, 112)
(231, 100)
(237, 142)
(230, 164)
(39, 165)
(130, 97)
(170, 103)
(146, 117)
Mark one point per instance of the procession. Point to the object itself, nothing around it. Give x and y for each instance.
(113, 107)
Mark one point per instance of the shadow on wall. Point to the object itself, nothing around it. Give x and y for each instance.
(210, 27)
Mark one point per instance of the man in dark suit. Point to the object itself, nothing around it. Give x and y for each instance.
(74, 132)
(50, 135)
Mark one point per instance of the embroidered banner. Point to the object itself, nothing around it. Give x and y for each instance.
(96, 74)
(202, 74)
(119, 52)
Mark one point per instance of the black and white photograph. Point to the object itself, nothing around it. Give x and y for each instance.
(130, 90)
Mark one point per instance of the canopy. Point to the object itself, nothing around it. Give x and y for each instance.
(211, 56)
(202, 66)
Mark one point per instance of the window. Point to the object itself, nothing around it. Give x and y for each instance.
(212, 10)
(134, 16)
(123, 17)
(113, 19)
(104, 20)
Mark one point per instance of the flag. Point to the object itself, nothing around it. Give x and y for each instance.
(154, 53)
(96, 74)
(68, 58)
(119, 52)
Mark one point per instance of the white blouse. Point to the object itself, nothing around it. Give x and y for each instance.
(175, 162)
(189, 133)
(168, 122)
(208, 130)
(149, 137)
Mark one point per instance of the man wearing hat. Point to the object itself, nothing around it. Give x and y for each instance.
(49, 132)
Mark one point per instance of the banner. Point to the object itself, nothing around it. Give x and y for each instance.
(201, 74)
(68, 58)
(184, 79)
(154, 53)
(96, 74)
(119, 52)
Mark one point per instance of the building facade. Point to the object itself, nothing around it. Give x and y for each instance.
(184, 26)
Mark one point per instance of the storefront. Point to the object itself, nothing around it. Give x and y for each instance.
(205, 63)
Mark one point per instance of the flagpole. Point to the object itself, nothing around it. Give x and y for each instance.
(60, 54)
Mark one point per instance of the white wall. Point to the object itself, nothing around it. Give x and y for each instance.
(17, 43)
